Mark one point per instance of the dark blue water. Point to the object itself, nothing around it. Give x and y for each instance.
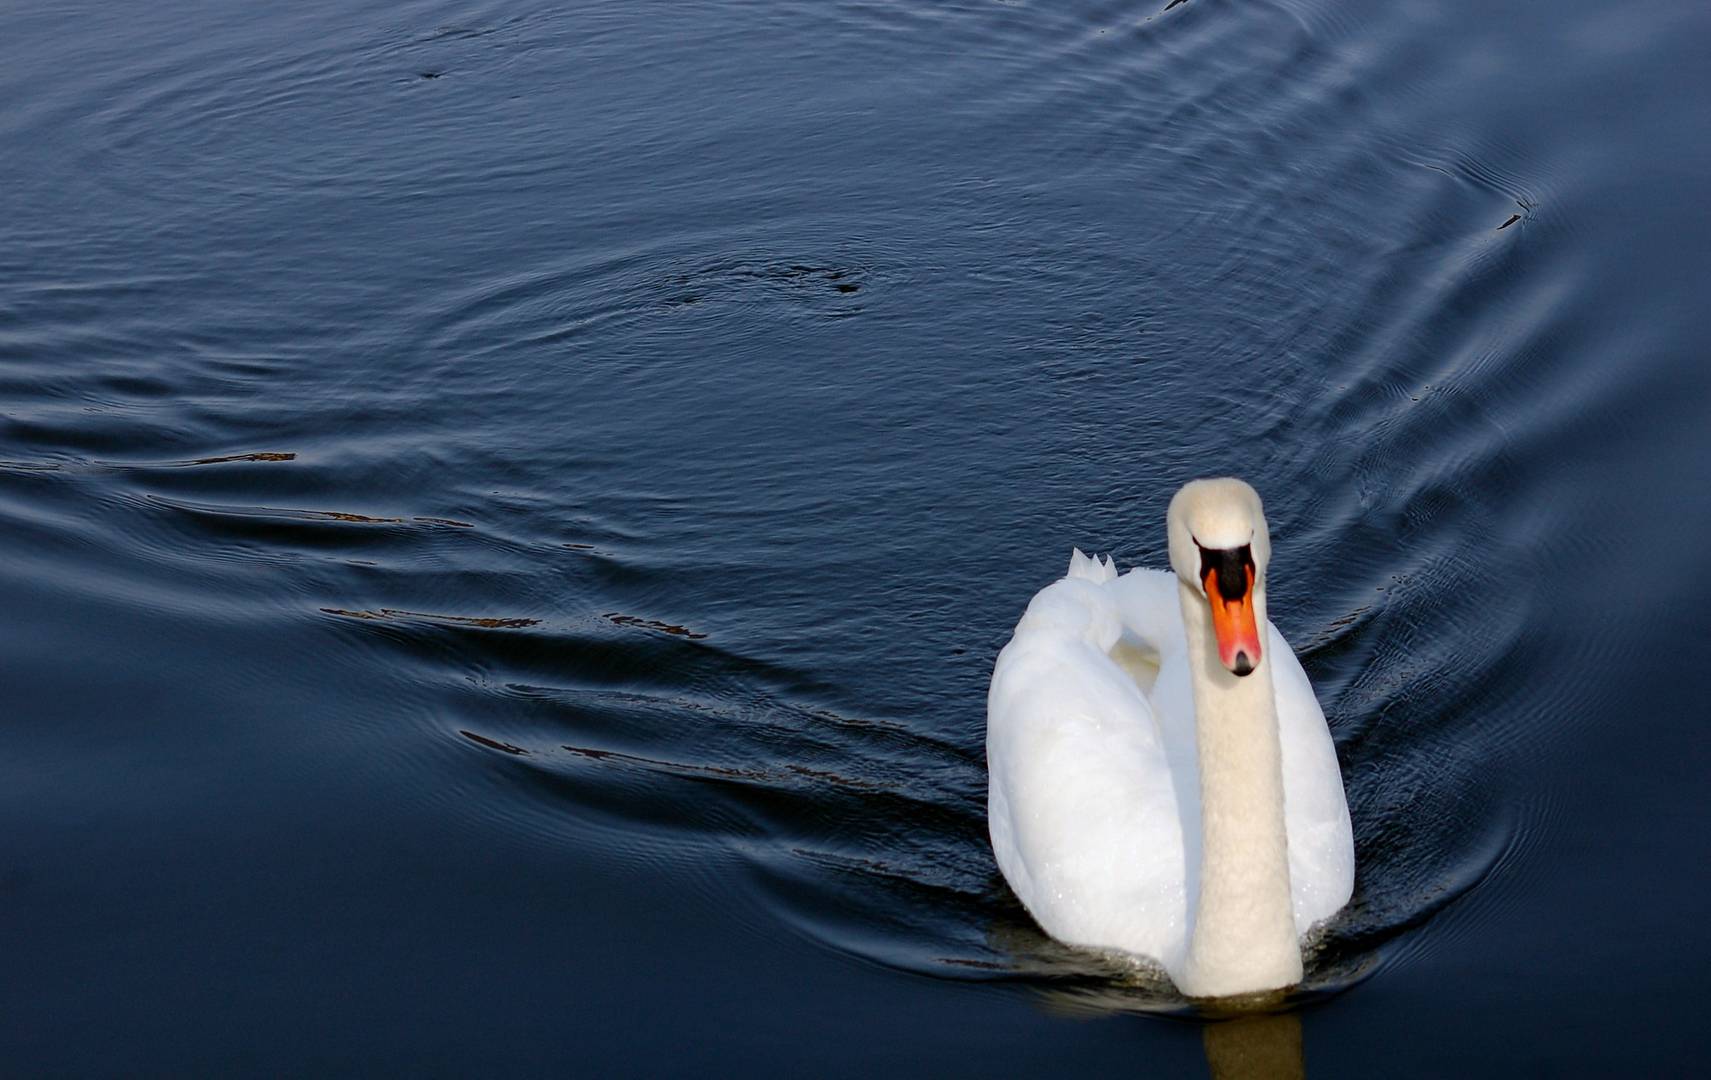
(507, 512)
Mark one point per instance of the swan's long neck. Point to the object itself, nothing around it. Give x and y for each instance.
(1244, 925)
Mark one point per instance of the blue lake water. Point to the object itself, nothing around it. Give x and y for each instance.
(507, 511)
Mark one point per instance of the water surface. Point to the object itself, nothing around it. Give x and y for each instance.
(507, 512)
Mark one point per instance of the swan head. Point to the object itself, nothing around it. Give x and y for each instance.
(1219, 548)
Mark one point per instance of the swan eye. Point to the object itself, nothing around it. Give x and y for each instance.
(1233, 569)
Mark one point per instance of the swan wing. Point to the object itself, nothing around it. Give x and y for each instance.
(1315, 810)
(1082, 801)
(1094, 796)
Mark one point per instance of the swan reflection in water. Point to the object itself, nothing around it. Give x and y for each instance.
(1256, 1046)
(1252, 1037)
(1248, 1036)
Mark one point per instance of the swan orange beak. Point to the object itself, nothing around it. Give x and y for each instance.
(1233, 620)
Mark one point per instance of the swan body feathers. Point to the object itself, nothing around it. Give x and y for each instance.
(1145, 797)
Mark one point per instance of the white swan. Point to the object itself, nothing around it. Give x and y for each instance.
(1162, 783)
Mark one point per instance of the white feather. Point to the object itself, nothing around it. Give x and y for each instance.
(1094, 801)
